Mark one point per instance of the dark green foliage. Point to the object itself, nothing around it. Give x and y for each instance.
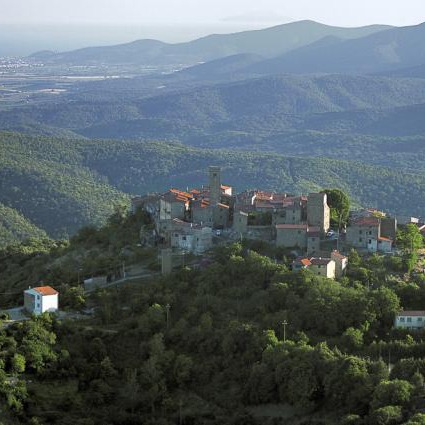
(339, 203)
(63, 183)
(219, 349)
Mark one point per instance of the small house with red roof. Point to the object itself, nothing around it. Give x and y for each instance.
(319, 266)
(41, 299)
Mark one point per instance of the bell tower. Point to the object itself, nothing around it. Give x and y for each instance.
(215, 184)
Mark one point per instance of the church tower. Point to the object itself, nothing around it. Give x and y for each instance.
(215, 185)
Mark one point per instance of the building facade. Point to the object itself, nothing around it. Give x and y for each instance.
(410, 320)
(41, 300)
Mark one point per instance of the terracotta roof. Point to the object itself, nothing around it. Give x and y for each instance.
(264, 196)
(411, 313)
(320, 261)
(181, 193)
(202, 203)
(292, 226)
(384, 239)
(338, 255)
(304, 261)
(367, 221)
(223, 186)
(46, 290)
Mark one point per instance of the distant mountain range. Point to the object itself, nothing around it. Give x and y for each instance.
(394, 48)
(269, 42)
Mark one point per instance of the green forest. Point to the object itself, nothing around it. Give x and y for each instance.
(242, 340)
(59, 185)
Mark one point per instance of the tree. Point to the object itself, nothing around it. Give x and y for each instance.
(410, 238)
(418, 419)
(339, 203)
(388, 415)
(18, 363)
(397, 392)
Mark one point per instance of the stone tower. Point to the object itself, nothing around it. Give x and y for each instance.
(318, 211)
(215, 185)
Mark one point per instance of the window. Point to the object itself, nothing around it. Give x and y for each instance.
(38, 305)
(38, 297)
(409, 320)
(184, 238)
(419, 319)
(360, 240)
(402, 320)
(370, 241)
(360, 232)
(370, 232)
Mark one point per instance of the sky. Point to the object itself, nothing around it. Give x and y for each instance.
(27, 26)
(335, 12)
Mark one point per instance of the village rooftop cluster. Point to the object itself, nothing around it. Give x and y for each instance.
(191, 220)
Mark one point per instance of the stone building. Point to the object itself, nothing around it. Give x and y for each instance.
(292, 235)
(240, 222)
(313, 241)
(389, 228)
(318, 211)
(364, 233)
(323, 267)
(214, 184)
(341, 263)
(191, 237)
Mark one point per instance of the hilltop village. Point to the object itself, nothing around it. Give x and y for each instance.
(193, 220)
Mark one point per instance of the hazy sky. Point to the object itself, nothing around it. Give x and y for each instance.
(27, 26)
(336, 12)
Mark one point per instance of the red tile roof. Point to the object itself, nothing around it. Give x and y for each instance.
(367, 221)
(384, 239)
(337, 254)
(304, 261)
(46, 290)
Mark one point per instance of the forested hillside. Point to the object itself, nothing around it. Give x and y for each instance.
(50, 186)
(14, 226)
(62, 184)
(243, 340)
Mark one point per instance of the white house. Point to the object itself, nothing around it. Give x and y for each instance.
(41, 299)
(410, 320)
(385, 244)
